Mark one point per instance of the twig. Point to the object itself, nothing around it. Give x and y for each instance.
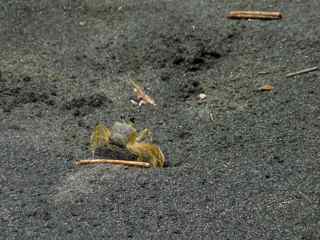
(254, 15)
(211, 116)
(263, 73)
(112, 161)
(302, 71)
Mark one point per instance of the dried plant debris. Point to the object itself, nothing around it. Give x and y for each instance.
(112, 161)
(261, 15)
(142, 98)
(266, 88)
(126, 136)
(307, 70)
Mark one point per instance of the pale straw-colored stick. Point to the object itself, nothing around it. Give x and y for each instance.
(307, 70)
(254, 15)
(113, 161)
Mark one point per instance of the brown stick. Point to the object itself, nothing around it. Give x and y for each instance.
(112, 161)
(254, 15)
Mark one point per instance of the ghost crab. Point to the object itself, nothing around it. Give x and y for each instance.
(126, 136)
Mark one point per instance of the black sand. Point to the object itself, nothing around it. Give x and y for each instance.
(242, 165)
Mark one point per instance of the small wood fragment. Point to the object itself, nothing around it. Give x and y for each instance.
(263, 73)
(211, 116)
(266, 88)
(112, 161)
(262, 15)
(141, 96)
(307, 70)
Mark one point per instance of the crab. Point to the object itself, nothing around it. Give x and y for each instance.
(126, 136)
